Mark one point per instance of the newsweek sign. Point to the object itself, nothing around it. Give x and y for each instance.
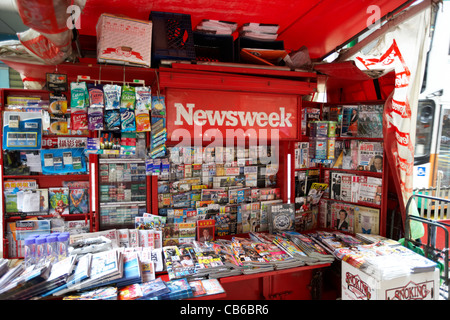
(206, 113)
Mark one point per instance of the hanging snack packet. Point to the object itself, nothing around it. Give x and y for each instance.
(142, 120)
(158, 106)
(127, 120)
(78, 96)
(79, 120)
(95, 117)
(143, 98)
(112, 119)
(128, 97)
(96, 95)
(112, 93)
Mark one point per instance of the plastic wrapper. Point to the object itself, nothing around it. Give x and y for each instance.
(95, 119)
(46, 16)
(158, 106)
(127, 119)
(79, 99)
(42, 48)
(112, 119)
(96, 95)
(112, 94)
(143, 98)
(142, 120)
(128, 98)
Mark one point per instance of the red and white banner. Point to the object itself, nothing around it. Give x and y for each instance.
(402, 50)
(222, 114)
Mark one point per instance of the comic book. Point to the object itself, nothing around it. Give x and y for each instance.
(78, 201)
(58, 199)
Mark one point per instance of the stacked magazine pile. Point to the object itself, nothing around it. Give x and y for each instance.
(216, 260)
(311, 248)
(248, 258)
(196, 260)
(279, 252)
(25, 282)
(259, 31)
(218, 27)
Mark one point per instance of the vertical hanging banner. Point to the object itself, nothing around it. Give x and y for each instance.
(401, 49)
(397, 117)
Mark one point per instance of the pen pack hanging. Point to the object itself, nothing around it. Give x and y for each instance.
(22, 130)
(63, 161)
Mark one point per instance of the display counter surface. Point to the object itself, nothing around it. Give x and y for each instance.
(291, 284)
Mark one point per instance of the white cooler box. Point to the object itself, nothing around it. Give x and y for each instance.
(124, 41)
(357, 285)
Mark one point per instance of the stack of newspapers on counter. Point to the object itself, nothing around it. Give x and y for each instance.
(377, 256)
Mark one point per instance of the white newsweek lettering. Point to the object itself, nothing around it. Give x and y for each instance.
(230, 118)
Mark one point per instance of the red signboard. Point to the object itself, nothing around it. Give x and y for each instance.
(202, 114)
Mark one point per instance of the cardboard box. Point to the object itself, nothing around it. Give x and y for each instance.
(124, 41)
(357, 285)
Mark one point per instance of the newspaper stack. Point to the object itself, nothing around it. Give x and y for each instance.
(372, 238)
(216, 27)
(309, 247)
(259, 31)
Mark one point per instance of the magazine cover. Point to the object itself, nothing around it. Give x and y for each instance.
(346, 187)
(316, 191)
(205, 230)
(58, 201)
(78, 201)
(301, 155)
(367, 220)
(370, 121)
(370, 156)
(43, 200)
(342, 216)
(324, 215)
(281, 217)
(309, 114)
(340, 186)
(369, 190)
(349, 125)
